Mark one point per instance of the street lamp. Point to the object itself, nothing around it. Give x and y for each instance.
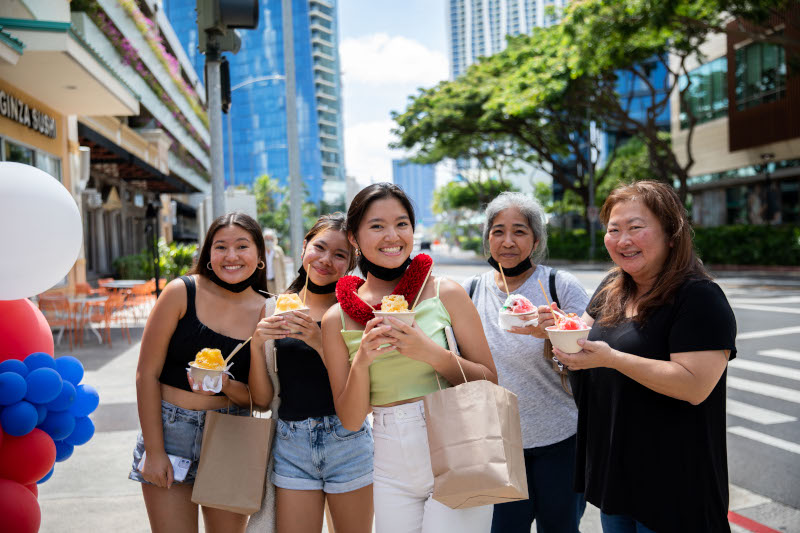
(152, 216)
(767, 159)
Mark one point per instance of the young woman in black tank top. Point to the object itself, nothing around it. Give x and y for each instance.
(315, 457)
(217, 306)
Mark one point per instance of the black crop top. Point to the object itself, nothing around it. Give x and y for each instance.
(190, 337)
(305, 389)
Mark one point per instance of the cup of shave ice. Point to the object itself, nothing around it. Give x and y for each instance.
(517, 311)
(288, 303)
(207, 362)
(567, 332)
(396, 306)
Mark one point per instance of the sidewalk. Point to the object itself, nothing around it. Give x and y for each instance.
(90, 491)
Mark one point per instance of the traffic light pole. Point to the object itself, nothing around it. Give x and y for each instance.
(215, 125)
(295, 180)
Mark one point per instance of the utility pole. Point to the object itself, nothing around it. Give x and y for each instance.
(591, 210)
(215, 125)
(295, 180)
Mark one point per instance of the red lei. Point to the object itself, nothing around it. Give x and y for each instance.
(409, 286)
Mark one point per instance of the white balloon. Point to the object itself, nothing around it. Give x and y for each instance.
(41, 231)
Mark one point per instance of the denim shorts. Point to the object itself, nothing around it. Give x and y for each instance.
(183, 436)
(320, 454)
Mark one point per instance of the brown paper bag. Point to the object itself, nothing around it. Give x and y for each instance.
(233, 462)
(475, 443)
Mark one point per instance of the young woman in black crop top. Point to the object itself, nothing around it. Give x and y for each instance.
(217, 306)
(315, 457)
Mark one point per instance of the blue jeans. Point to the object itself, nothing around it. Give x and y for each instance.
(620, 523)
(556, 507)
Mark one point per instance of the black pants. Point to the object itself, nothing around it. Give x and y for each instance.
(552, 502)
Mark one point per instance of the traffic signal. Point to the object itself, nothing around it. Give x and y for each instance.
(217, 20)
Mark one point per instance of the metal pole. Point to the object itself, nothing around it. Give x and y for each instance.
(156, 269)
(591, 208)
(295, 183)
(230, 147)
(215, 125)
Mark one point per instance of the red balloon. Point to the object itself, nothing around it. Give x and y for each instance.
(23, 330)
(34, 488)
(19, 509)
(28, 458)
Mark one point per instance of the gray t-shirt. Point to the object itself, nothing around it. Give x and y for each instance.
(547, 412)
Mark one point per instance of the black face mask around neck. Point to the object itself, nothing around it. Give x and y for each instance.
(383, 273)
(313, 287)
(515, 271)
(234, 287)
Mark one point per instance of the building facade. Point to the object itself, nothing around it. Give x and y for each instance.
(255, 129)
(418, 182)
(746, 141)
(120, 122)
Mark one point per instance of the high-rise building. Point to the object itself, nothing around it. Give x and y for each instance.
(418, 182)
(256, 126)
(479, 27)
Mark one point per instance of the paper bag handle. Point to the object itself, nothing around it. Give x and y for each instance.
(251, 402)
(459, 367)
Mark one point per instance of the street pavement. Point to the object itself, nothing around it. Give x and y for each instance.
(91, 492)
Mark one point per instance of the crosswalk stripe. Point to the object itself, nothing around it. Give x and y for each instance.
(765, 439)
(757, 414)
(780, 353)
(766, 301)
(768, 333)
(766, 368)
(765, 389)
(769, 308)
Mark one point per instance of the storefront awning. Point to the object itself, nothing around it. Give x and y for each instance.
(63, 72)
(113, 160)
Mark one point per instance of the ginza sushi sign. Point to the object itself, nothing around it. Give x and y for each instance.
(18, 111)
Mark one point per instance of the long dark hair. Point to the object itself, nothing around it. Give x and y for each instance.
(362, 201)
(334, 221)
(681, 264)
(247, 223)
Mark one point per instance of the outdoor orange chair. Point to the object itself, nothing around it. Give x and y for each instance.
(111, 311)
(58, 313)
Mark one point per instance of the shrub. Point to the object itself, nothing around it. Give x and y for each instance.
(175, 260)
(574, 245)
(748, 245)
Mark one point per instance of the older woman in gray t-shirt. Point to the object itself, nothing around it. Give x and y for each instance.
(516, 237)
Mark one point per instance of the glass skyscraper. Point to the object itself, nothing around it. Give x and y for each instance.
(258, 109)
(418, 182)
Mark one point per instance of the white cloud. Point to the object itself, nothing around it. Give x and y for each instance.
(367, 153)
(381, 59)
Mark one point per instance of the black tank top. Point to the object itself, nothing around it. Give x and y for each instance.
(305, 389)
(190, 337)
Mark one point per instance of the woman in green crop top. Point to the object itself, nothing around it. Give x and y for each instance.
(388, 367)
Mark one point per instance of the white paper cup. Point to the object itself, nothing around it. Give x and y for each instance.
(507, 320)
(301, 310)
(566, 340)
(198, 373)
(403, 316)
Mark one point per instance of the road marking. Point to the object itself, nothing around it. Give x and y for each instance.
(770, 308)
(766, 368)
(747, 524)
(765, 389)
(757, 414)
(780, 353)
(767, 301)
(765, 439)
(768, 333)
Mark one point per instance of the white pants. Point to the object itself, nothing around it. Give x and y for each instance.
(403, 480)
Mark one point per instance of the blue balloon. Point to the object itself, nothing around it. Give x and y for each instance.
(47, 476)
(42, 411)
(14, 365)
(19, 419)
(86, 401)
(44, 385)
(40, 360)
(12, 388)
(83, 432)
(63, 450)
(70, 369)
(58, 424)
(65, 398)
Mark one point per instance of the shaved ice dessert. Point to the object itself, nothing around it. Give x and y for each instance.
(209, 359)
(517, 311)
(518, 304)
(570, 322)
(567, 332)
(208, 363)
(288, 302)
(394, 303)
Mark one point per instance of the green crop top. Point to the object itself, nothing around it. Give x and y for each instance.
(394, 377)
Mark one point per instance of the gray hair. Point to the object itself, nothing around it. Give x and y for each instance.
(530, 208)
(271, 232)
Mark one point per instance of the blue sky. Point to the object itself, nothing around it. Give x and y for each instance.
(388, 49)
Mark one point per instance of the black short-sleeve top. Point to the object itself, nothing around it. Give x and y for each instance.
(657, 459)
(190, 337)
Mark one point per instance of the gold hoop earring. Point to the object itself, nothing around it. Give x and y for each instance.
(358, 252)
(208, 266)
(261, 265)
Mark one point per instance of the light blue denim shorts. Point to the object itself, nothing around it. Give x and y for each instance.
(320, 454)
(183, 436)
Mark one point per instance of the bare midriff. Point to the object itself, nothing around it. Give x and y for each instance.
(191, 400)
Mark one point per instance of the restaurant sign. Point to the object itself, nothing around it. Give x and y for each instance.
(17, 110)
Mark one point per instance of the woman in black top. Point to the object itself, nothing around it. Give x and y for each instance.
(217, 306)
(650, 380)
(315, 457)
